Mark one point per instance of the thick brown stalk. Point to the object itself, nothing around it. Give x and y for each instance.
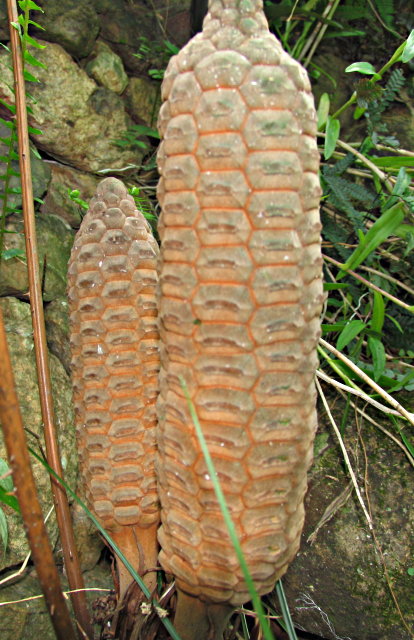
(31, 511)
(195, 619)
(35, 291)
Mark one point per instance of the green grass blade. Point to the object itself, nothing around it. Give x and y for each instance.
(4, 531)
(257, 603)
(290, 629)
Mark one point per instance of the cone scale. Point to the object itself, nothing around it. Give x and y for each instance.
(240, 299)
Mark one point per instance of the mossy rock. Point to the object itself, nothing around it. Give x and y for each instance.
(17, 319)
(54, 239)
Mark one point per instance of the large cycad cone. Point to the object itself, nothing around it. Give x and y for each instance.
(240, 297)
(115, 361)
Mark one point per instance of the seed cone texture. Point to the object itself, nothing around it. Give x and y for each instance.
(115, 358)
(240, 298)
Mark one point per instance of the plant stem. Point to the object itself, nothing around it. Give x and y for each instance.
(39, 334)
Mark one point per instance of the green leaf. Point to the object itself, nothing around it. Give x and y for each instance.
(10, 107)
(402, 183)
(32, 42)
(334, 286)
(171, 48)
(29, 77)
(37, 25)
(5, 482)
(30, 5)
(410, 571)
(4, 531)
(380, 231)
(332, 134)
(32, 60)
(9, 499)
(6, 123)
(378, 356)
(35, 132)
(351, 330)
(6, 486)
(346, 33)
(143, 130)
(408, 52)
(361, 67)
(332, 328)
(392, 162)
(404, 231)
(378, 313)
(16, 25)
(8, 254)
(358, 112)
(323, 110)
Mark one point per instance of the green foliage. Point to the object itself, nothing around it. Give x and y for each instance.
(6, 169)
(74, 195)
(131, 136)
(142, 202)
(6, 497)
(368, 224)
(156, 53)
(376, 103)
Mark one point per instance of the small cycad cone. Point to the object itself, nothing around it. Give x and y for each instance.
(115, 363)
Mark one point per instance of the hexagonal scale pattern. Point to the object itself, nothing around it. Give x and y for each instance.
(115, 358)
(241, 294)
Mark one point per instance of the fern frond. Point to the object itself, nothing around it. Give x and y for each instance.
(340, 194)
(386, 10)
(338, 235)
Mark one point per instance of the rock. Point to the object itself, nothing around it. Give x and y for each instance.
(17, 318)
(6, 82)
(28, 620)
(125, 30)
(106, 68)
(102, 6)
(4, 23)
(177, 20)
(78, 119)
(75, 26)
(40, 172)
(57, 330)
(57, 200)
(142, 100)
(55, 239)
(336, 587)
(88, 543)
